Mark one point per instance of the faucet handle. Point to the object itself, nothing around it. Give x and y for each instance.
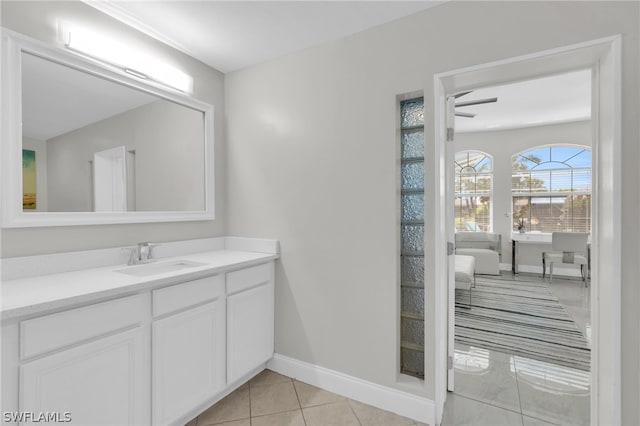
(151, 247)
(134, 255)
(145, 250)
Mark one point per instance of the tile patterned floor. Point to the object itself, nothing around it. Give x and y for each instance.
(491, 388)
(494, 388)
(271, 399)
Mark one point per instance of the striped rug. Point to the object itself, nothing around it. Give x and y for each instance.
(522, 318)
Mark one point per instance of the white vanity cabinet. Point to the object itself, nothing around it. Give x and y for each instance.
(87, 365)
(156, 357)
(188, 347)
(250, 316)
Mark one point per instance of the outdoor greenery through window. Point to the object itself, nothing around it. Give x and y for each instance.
(473, 186)
(551, 189)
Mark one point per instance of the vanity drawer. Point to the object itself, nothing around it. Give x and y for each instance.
(50, 332)
(247, 278)
(180, 296)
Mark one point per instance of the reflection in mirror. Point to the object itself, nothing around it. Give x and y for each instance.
(91, 144)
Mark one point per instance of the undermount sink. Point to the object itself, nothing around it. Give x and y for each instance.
(159, 268)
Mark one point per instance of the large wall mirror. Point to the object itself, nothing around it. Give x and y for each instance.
(83, 144)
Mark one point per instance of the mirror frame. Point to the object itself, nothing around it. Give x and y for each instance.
(13, 216)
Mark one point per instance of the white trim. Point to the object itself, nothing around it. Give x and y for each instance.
(468, 77)
(439, 267)
(383, 397)
(604, 57)
(11, 147)
(119, 13)
(606, 243)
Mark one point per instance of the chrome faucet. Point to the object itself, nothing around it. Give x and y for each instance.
(142, 253)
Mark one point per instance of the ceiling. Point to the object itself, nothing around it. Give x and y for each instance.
(556, 99)
(57, 99)
(230, 35)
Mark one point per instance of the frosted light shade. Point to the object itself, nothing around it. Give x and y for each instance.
(121, 55)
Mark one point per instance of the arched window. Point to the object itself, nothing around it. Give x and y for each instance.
(473, 191)
(551, 189)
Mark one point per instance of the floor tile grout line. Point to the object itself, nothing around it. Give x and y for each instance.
(273, 414)
(520, 399)
(353, 411)
(293, 382)
(515, 375)
(323, 404)
(484, 402)
(542, 420)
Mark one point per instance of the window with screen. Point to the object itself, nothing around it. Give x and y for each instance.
(551, 189)
(473, 188)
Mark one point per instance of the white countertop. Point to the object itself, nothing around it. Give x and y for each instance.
(39, 294)
(534, 237)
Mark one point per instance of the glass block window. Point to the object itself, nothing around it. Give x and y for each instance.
(412, 237)
(551, 189)
(473, 191)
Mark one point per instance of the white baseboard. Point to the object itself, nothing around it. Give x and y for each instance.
(383, 397)
(505, 266)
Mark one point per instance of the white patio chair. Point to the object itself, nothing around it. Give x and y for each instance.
(567, 247)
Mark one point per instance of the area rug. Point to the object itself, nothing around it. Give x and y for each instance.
(522, 318)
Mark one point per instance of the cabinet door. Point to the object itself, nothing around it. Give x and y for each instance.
(188, 360)
(104, 382)
(249, 330)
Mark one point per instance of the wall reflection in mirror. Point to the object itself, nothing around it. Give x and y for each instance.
(91, 144)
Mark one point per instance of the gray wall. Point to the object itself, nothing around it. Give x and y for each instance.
(502, 145)
(38, 19)
(313, 161)
(168, 140)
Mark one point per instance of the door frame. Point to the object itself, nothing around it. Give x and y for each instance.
(603, 57)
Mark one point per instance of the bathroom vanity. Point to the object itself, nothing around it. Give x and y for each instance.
(87, 339)
(117, 345)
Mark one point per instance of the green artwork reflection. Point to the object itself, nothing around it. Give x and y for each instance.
(28, 179)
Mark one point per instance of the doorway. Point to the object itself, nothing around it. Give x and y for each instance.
(603, 58)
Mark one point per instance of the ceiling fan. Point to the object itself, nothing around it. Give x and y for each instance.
(469, 103)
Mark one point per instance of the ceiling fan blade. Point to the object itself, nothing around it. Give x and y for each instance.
(464, 114)
(457, 95)
(477, 102)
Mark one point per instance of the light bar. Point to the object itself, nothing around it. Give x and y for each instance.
(122, 56)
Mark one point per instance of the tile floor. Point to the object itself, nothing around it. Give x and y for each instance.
(271, 399)
(491, 388)
(494, 388)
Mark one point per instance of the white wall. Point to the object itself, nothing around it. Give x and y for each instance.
(313, 161)
(38, 19)
(168, 140)
(502, 145)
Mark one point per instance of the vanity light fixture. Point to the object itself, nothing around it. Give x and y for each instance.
(117, 54)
